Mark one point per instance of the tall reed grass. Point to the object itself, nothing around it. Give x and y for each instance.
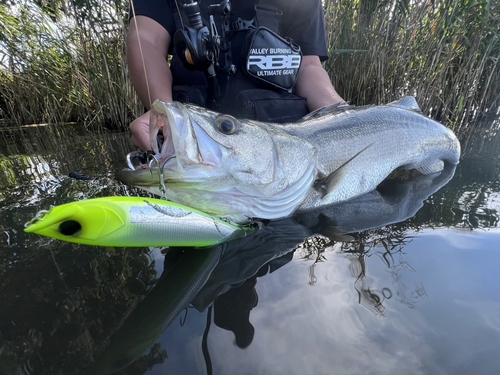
(66, 61)
(66, 66)
(443, 52)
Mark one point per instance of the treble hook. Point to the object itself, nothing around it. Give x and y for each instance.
(160, 168)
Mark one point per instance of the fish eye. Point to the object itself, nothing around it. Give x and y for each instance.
(227, 124)
(70, 228)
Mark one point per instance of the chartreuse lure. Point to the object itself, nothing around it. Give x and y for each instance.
(132, 222)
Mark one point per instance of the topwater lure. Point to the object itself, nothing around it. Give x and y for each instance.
(132, 222)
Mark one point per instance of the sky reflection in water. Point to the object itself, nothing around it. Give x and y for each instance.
(416, 297)
(431, 307)
(442, 317)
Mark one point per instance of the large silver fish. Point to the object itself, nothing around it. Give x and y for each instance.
(241, 169)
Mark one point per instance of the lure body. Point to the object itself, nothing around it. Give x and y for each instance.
(132, 222)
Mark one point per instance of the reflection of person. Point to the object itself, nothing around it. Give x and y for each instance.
(150, 41)
(232, 309)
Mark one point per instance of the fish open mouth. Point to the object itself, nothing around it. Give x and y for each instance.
(164, 118)
(186, 142)
(165, 127)
(180, 146)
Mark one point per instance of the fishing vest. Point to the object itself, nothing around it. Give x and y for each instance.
(257, 67)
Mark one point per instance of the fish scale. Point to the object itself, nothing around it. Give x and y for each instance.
(270, 171)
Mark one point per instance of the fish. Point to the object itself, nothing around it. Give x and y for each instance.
(239, 169)
(132, 222)
(394, 202)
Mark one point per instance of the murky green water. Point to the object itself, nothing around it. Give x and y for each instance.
(415, 291)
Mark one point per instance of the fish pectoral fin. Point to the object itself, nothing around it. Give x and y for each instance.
(328, 184)
(328, 227)
(434, 167)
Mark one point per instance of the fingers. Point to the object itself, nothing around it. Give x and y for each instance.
(140, 132)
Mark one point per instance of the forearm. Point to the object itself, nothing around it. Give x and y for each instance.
(147, 46)
(147, 59)
(313, 83)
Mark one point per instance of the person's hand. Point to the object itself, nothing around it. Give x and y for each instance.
(140, 132)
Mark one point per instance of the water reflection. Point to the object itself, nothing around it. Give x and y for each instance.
(60, 302)
(186, 274)
(36, 165)
(230, 289)
(375, 285)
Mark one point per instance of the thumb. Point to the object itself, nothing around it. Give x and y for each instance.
(140, 132)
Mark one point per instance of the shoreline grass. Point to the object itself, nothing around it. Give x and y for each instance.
(68, 64)
(445, 53)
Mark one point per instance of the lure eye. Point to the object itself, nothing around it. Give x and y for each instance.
(70, 228)
(227, 124)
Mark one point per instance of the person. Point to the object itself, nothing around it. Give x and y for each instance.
(150, 40)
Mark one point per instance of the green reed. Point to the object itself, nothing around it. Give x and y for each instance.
(65, 66)
(443, 52)
(66, 61)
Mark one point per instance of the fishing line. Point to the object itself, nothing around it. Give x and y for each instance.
(132, 7)
(180, 14)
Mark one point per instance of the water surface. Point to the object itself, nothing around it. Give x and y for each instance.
(408, 285)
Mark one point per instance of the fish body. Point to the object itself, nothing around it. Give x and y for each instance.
(132, 222)
(241, 169)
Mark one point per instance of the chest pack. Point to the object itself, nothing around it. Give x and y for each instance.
(272, 59)
(206, 45)
(234, 46)
(268, 57)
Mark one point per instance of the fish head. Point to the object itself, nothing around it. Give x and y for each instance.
(206, 151)
(218, 143)
(203, 139)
